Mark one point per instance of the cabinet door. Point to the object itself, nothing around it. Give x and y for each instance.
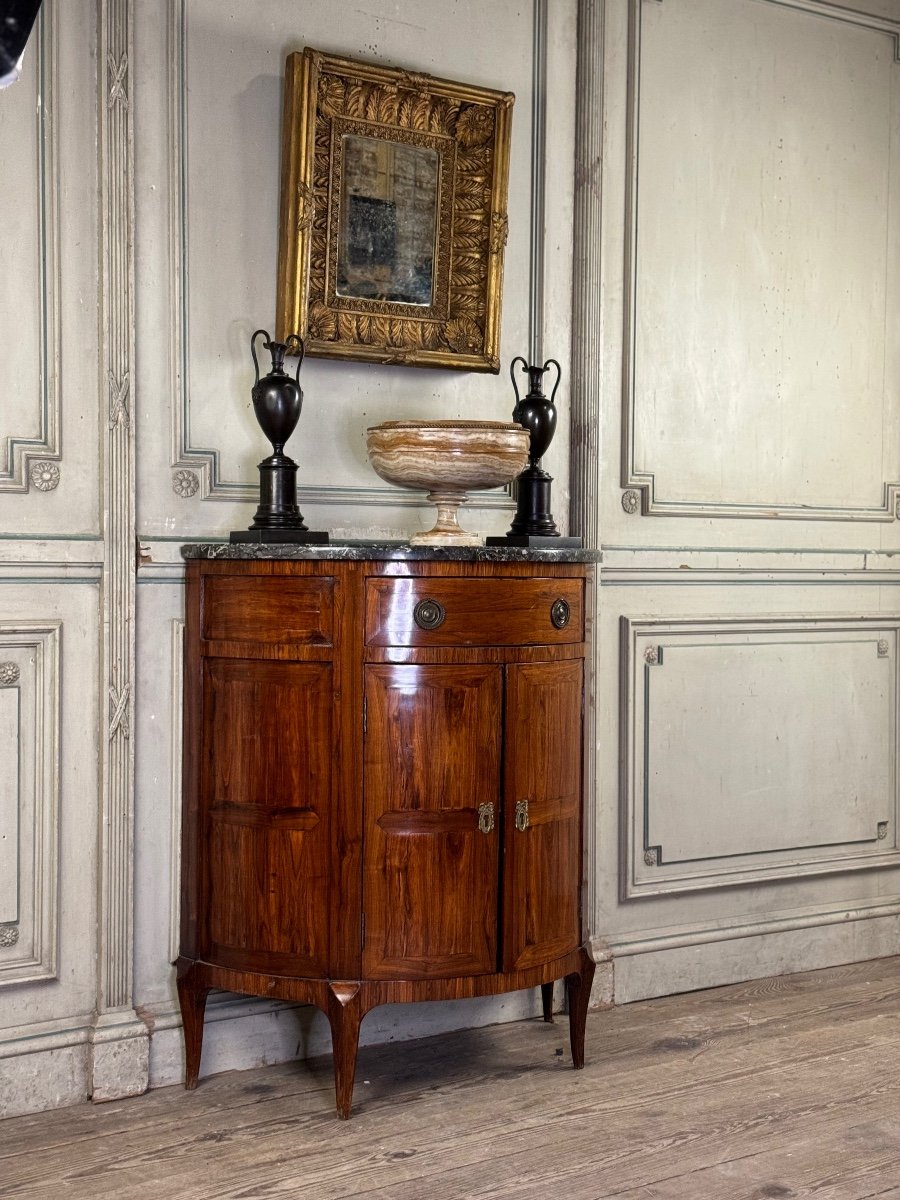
(266, 789)
(542, 851)
(432, 759)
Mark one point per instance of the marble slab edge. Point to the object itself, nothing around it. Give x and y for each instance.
(387, 552)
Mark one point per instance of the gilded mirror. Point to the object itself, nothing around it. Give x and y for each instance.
(393, 214)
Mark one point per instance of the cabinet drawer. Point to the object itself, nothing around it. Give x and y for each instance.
(417, 611)
(268, 610)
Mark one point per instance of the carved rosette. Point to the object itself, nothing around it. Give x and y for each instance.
(651, 656)
(651, 856)
(631, 501)
(9, 935)
(185, 484)
(9, 674)
(884, 647)
(44, 475)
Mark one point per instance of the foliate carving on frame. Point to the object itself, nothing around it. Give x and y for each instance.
(185, 484)
(305, 206)
(651, 856)
(9, 674)
(651, 656)
(631, 501)
(499, 232)
(882, 830)
(44, 475)
(9, 935)
(884, 647)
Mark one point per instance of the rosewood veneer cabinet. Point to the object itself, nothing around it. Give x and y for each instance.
(382, 780)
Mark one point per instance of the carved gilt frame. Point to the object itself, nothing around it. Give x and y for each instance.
(325, 98)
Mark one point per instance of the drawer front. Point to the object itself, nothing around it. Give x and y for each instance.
(418, 611)
(268, 610)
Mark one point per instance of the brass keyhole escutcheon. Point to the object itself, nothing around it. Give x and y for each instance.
(429, 614)
(521, 815)
(485, 817)
(560, 613)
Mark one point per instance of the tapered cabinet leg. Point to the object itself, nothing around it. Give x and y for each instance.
(192, 999)
(547, 1001)
(345, 1014)
(578, 993)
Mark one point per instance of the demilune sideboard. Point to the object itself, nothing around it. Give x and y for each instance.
(383, 761)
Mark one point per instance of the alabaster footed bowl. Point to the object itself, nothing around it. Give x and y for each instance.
(447, 459)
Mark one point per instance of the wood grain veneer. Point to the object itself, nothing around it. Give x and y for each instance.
(375, 812)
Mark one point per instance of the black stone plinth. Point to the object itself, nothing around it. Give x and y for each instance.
(536, 541)
(293, 537)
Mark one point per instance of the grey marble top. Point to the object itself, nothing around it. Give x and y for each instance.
(389, 552)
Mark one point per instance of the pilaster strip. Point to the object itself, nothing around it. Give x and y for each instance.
(586, 316)
(584, 460)
(538, 181)
(115, 56)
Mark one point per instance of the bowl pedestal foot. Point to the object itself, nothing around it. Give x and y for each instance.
(447, 530)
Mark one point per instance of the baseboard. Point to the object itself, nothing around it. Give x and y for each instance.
(667, 961)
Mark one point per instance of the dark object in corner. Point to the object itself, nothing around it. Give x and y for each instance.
(16, 20)
(277, 401)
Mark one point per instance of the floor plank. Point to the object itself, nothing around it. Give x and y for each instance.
(785, 1087)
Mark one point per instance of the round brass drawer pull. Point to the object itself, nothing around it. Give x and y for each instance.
(429, 614)
(560, 613)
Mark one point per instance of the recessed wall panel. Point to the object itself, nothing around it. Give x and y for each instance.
(757, 749)
(766, 746)
(764, 281)
(9, 804)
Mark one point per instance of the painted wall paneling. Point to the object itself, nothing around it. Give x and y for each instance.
(737, 367)
(208, 141)
(215, 286)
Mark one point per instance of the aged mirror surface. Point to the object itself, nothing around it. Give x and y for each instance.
(387, 220)
(393, 214)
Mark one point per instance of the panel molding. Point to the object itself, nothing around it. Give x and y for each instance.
(584, 440)
(640, 494)
(22, 467)
(30, 955)
(643, 869)
(199, 468)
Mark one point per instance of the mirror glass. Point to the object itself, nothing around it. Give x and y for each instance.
(389, 200)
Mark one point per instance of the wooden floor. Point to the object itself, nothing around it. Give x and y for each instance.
(779, 1088)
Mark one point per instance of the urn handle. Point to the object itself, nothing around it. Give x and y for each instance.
(266, 343)
(512, 374)
(290, 353)
(551, 362)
